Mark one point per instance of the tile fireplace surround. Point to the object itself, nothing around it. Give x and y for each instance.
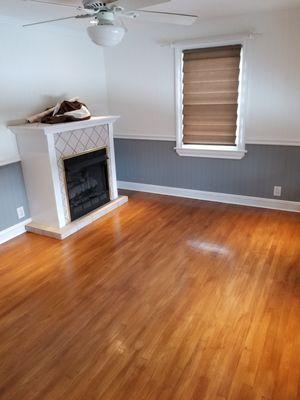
(42, 149)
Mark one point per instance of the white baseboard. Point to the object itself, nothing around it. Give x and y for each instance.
(13, 231)
(259, 202)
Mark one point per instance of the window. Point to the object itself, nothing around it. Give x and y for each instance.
(210, 100)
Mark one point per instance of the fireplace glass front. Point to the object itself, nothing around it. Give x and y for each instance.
(87, 182)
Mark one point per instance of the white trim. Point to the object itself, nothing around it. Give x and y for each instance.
(55, 180)
(208, 40)
(13, 231)
(178, 59)
(226, 198)
(112, 163)
(168, 138)
(9, 161)
(273, 142)
(238, 151)
(227, 152)
(165, 138)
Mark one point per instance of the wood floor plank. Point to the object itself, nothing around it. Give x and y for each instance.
(163, 299)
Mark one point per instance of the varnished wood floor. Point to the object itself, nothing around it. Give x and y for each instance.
(164, 299)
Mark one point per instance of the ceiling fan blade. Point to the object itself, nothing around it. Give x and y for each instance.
(167, 18)
(132, 5)
(53, 3)
(57, 19)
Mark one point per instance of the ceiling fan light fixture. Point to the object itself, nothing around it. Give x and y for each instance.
(106, 35)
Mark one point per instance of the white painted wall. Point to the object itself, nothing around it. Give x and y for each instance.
(41, 65)
(140, 76)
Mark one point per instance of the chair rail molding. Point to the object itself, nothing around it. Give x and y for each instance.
(172, 138)
(9, 161)
(135, 136)
(274, 142)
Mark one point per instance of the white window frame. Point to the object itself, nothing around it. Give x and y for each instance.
(212, 151)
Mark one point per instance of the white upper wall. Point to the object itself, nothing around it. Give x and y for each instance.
(43, 64)
(40, 66)
(140, 76)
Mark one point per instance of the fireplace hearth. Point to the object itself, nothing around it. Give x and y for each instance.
(87, 182)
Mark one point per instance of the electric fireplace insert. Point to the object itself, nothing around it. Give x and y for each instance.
(87, 182)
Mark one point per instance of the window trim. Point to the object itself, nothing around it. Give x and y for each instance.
(211, 151)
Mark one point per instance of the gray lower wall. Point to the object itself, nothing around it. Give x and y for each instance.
(12, 195)
(157, 163)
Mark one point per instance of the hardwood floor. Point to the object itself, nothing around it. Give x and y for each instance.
(164, 299)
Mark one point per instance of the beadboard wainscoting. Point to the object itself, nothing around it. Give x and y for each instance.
(154, 166)
(12, 196)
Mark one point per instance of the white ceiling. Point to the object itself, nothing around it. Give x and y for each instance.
(31, 12)
(217, 8)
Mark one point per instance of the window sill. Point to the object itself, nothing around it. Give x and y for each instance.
(227, 152)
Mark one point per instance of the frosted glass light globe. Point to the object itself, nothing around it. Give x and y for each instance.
(106, 35)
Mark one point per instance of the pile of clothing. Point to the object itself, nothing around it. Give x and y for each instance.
(64, 111)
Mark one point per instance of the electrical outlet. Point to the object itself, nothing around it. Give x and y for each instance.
(21, 212)
(277, 191)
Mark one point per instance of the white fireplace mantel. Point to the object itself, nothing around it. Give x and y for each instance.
(42, 149)
(65, 127)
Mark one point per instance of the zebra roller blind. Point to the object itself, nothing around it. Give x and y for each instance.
(210, 95)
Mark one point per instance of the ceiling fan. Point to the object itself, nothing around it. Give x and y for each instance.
(104, 29)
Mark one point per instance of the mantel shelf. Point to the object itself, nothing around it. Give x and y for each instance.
(65, 127)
